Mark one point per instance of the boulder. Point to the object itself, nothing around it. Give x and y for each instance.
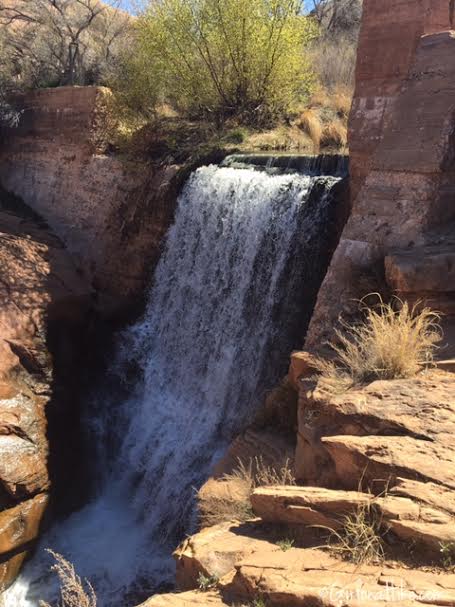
(385, 430)
(213, 552)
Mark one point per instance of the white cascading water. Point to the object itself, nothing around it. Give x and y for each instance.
(203, 350)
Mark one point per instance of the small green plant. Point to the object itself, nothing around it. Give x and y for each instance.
(447, 550)
(206, 583)
(237, 135)
(259, 602)
(285, 544)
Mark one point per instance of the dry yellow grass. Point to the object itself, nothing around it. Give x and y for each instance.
(282, 138)
(310, 123)
(229, 506)
(258, 474)
(229, 501)
(325, 118)
(320, 98)
(341, 100)
(334, 135)
(74, 592)
(395, 341)
(360, 538)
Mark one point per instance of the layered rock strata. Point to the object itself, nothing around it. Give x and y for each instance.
(110, 212)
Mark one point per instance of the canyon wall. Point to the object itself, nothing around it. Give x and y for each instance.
(111, 213)
(402, 142)
(43, 311)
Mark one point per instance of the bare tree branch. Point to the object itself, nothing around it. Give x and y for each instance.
(70, 37)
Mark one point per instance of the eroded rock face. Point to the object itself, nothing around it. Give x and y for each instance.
(39, 291)
(110, 213)
(388, 428)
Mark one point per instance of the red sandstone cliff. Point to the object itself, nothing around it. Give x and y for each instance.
(402, 142)
(110, 213)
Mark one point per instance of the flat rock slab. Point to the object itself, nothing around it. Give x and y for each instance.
(306, 505)
(310, 577)
(422, 407)
(385, 457)
(408, 519)
(185, 599)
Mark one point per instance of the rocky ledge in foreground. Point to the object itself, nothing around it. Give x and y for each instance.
(41, 298)
(386, 451)
(265, 574)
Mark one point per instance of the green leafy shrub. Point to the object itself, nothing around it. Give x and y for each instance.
(206, 583)
(214, 59)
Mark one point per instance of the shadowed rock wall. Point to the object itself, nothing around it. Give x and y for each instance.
(43, 307)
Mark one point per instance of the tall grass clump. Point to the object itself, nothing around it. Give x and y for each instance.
(257, 474)
(74, 592)
(360, 538)
(395, 341)
(310, 123)
(215, 509)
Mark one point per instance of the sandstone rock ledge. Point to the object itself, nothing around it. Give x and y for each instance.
(300, 577)
(39, 291)
(387, 447)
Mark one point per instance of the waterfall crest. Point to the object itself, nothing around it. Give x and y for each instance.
(218, 317)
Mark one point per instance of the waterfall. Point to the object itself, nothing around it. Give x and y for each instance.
(218, 327)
